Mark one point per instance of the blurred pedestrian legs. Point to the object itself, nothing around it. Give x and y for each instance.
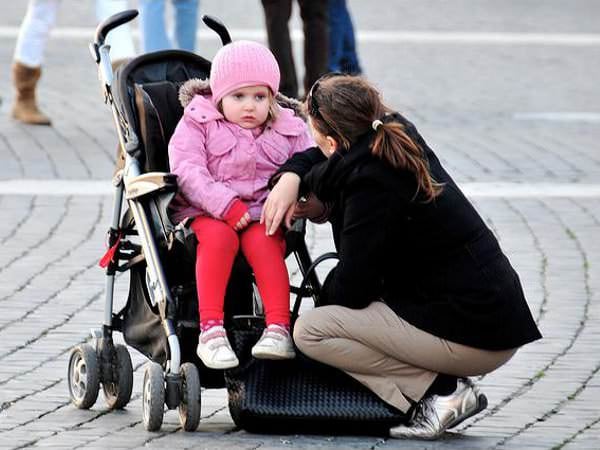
(316, 41)
(154, 29)
(29, 57)
(30, 50)
(342, 45)
(119, 39)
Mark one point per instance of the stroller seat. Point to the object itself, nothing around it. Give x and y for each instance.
(148, 90)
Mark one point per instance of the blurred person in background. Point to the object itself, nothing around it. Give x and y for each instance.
(342, 46)
(28, 58)
(316, 41)
(154, 28)
(30, 50)
(119, 39)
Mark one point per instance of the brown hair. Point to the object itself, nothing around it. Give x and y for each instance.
(273, 107)
(344, 107)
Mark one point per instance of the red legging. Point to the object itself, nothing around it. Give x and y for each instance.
(218, 245)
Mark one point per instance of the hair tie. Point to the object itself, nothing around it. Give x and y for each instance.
(376, 123)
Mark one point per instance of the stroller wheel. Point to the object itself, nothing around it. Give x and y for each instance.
(189, 407)
(118, 392)
(83, 376)
(153, 401)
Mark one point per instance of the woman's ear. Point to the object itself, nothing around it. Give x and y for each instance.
(332, 145)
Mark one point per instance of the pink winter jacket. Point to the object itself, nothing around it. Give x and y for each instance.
(217, 162)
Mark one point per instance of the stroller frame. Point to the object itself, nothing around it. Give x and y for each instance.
(103, 363)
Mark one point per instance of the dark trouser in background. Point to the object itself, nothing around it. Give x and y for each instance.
(316, 41)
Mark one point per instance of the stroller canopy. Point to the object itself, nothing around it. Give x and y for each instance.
(146, 95)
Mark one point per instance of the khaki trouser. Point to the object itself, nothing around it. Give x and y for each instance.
(391, 357)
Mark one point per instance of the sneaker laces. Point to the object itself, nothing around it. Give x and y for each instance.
(276, 332)
(214, 338)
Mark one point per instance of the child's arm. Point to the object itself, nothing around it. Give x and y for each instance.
(187, 159)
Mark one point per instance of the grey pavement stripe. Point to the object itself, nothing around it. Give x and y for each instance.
(383, 36)
(572, 116)
(490, 189)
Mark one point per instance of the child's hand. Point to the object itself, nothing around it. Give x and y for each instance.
(243, 223)
(237, 217)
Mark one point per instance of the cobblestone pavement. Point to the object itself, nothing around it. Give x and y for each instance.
(524, 113)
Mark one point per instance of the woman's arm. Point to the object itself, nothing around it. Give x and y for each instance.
(299, 163)
(280, 202)
(358, 277)
(285, 187)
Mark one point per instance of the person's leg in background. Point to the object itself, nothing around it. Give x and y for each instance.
(349, 57)
(186, 23)
(316, 40)
(119, 39)
(29, 57)
(152, 25)
(336, 35)
(277, 16)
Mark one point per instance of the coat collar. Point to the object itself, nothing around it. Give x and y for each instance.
(202, 110)
(288, 124)
(195, 96)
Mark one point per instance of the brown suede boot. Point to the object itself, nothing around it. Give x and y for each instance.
(24, 108)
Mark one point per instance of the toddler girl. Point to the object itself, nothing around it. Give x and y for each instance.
(228, 143)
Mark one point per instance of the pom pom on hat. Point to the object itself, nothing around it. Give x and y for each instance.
(241, 64)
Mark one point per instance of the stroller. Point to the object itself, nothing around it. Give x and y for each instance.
(160, 318)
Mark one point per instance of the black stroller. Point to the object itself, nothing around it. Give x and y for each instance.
(160, 318)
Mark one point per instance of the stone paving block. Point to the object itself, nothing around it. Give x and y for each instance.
(466, 100)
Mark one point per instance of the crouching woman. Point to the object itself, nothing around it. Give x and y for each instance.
(422, 297)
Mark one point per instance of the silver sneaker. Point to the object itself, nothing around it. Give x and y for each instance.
(438, 413)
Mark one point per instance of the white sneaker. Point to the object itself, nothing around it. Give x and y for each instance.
(215, 350)
(275, 343)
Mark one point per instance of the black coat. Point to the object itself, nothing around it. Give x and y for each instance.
(436, 264)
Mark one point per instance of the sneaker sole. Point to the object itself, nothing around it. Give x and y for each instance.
(482, 403)
(277, 357)
(220, 366)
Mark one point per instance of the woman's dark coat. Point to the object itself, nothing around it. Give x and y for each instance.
(436, 264)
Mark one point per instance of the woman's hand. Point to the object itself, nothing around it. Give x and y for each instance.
(311, 208)
(280, 203)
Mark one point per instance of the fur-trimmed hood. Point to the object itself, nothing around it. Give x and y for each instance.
(211, 173)
(198, 86)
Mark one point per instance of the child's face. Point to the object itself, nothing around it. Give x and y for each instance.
(247, 107)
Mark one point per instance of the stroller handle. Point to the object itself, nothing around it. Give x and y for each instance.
(218, 27)
(111, 23)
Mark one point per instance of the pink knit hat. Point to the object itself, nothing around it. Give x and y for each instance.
(241, 64)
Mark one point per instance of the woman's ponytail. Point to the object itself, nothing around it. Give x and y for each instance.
(344, 106)
(393, 145)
